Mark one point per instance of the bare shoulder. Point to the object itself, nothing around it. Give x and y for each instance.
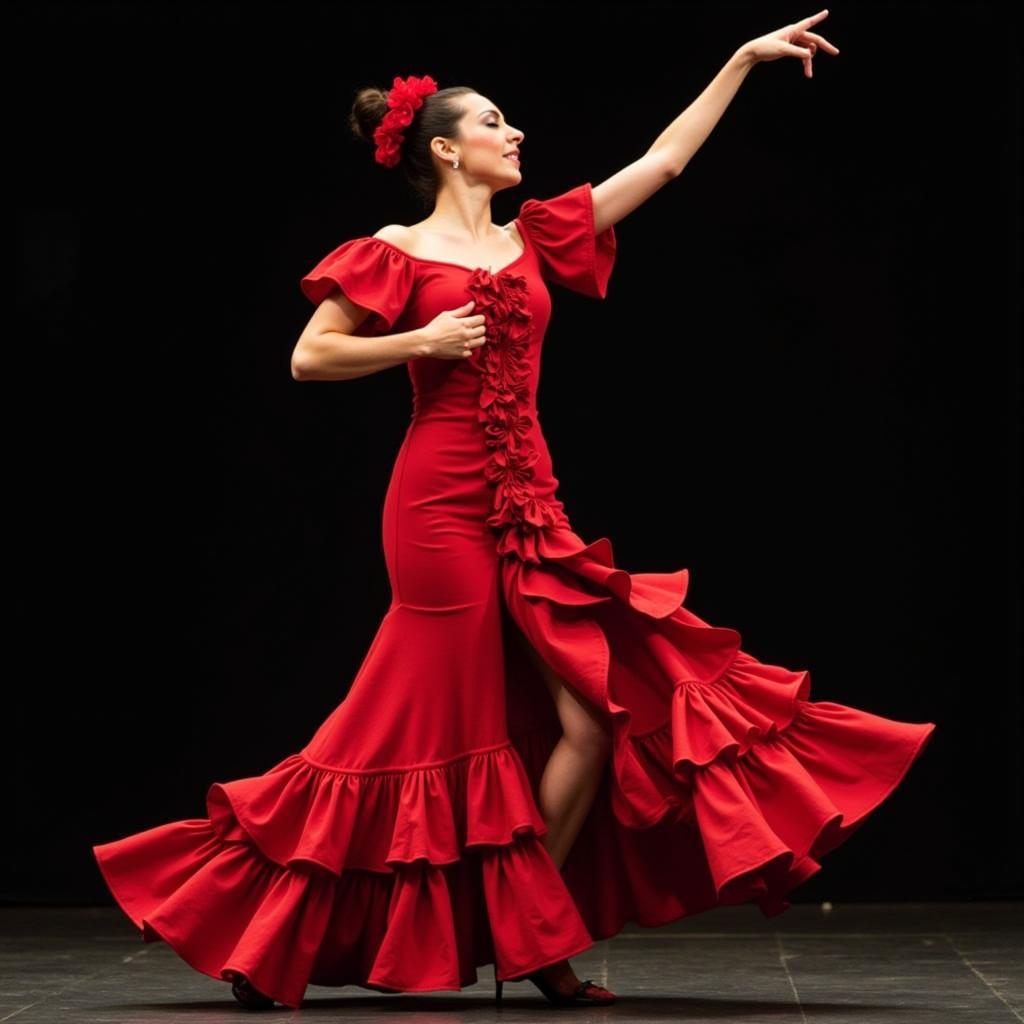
(512, 229)
(396, 234)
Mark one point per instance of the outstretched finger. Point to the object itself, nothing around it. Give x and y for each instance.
(821, 41)
(812, 20)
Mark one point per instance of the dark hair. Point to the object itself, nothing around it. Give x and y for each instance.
(439, 115)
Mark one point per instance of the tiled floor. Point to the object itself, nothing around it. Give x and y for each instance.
(866, 963)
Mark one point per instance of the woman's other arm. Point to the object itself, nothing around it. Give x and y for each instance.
(328, 350)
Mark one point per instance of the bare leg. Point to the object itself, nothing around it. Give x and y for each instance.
(570, 781)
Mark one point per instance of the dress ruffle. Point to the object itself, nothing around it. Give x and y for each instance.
(572, 253)
(300, 812)
(504, 411)
(401, 880)
(369, 272)
(725, 782)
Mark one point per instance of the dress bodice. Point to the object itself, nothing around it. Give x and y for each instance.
(496, 386)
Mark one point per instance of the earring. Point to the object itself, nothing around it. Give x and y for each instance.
(455, 166)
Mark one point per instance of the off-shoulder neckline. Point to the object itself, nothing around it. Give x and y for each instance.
(461, 266)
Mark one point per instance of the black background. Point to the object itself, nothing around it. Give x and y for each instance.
(803, 386)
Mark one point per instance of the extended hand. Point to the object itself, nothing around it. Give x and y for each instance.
(783, 43)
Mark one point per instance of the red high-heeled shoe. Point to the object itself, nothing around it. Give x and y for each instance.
(585, 994)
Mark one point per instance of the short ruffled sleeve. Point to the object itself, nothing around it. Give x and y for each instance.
(562, 231)
(371, 274)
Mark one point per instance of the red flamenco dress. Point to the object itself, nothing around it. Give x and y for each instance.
(401, 848)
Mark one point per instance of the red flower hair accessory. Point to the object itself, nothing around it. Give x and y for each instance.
(404, 98)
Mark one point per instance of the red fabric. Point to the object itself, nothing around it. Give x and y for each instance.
(371, 275)
(563, 233)
(401, 848)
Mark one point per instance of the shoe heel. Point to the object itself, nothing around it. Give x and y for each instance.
(549, 991)
(497, 987)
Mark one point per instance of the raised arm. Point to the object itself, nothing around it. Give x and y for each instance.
(625, 190)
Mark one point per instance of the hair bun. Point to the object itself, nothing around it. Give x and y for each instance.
(368, 110)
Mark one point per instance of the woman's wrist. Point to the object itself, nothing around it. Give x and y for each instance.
(745, 56)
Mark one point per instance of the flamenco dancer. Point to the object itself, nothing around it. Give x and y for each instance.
(539, 746)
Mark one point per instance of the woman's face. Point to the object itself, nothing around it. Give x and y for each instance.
(487, 140)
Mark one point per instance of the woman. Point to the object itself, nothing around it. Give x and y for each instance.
(539, 746)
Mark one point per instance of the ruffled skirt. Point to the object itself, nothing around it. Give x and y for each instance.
(351, 863)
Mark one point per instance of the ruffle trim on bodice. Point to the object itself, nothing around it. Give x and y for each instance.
(505, 404)
(396, 880)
